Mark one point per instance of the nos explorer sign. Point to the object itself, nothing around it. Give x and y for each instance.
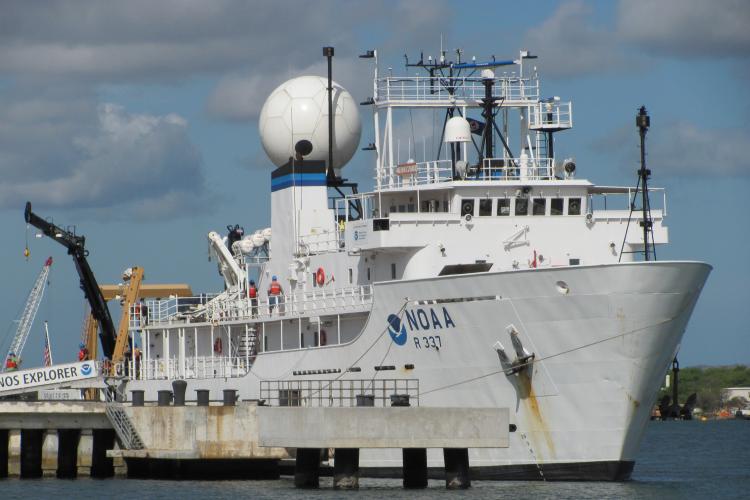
(20, 380)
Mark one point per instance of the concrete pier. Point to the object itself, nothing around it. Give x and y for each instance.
(413, 429)
(346, 469)
(85, 452)
(456, 468)
(307, 468)
(414, 467)
(50, 452)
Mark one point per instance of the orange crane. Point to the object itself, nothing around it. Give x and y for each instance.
(130, 293)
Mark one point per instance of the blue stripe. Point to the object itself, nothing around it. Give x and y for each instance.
(301, 179)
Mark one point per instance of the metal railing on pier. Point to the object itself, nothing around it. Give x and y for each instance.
(337, 393)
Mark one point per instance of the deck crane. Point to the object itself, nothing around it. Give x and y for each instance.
(29, 312)
(76, 248)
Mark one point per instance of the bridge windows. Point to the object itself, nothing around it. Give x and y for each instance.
(485, 207)
(467, 207)
(539, 206)
(556, 206)
(574, 206)
(522, 206)
(503, 206)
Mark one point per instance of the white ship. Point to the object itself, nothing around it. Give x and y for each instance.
(488, 274)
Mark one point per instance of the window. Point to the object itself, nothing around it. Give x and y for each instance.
(393, 267)
(556, 206)
(467, 207)
(503, 206)
(485, 207)
(522, 206)
(368, 274)
(574, 262)
(351, 276)
(574, 206)
(540, 206)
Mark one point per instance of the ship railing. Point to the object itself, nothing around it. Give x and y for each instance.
(160, 311)
(237, 307)
(514, 169)
(190, 367)
(449, 90)
(551, 115)
(324, 242)
(301, 303)
(615, 203)
(414, 173)
(432, 172)
(339, 392)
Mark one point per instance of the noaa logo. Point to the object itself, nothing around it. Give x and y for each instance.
(86, 369)
(396, 330)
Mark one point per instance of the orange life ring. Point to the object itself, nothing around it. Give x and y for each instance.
(320, 277)
(217, 346)
(323, 338)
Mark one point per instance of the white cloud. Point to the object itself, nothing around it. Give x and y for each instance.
(570, 43)
(96, 157)
(683, 148)
(679, 148)
(687, 28)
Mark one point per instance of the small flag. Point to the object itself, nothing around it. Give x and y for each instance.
(476, 126)
(47, 355)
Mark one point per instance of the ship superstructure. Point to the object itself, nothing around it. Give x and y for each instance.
(485, 273)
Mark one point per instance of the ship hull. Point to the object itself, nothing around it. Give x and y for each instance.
(601, 337)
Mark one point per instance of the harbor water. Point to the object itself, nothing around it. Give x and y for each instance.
(677, 460)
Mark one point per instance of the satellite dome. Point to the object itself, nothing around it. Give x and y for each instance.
(298, 111)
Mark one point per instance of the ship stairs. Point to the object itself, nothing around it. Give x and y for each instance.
(120, 421)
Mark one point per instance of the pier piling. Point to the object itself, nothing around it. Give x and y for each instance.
(456, 468)
(414, 468)
(307, 468)
(346, 469)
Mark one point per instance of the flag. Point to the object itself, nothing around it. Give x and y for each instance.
(476, 126)
(47, 353)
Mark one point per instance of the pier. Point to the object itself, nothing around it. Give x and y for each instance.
(200, 439)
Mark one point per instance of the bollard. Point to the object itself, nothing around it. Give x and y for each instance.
(179, 387)
(138, 397)
(307, 468)
(230, 397)
(365, 400)
(165, 397)
(400, 400)
(202, 397)
(456, 468)
(414, 467)
(346, 469)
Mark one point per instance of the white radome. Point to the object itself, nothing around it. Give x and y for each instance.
(297, 110)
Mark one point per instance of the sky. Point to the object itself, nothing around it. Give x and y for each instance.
(137, 123)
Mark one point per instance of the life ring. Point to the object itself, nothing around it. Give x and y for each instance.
(320, 277)
(323, 338)
(217, 346)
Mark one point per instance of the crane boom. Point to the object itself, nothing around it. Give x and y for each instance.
(29, 312)
(76, 248)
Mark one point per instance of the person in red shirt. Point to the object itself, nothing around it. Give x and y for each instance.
(274, 295)
(252, 293)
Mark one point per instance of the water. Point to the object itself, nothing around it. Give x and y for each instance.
(677, 460)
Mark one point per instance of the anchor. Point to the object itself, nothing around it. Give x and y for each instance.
(523, 356)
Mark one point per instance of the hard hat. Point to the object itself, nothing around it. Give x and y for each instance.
(273, 278)
(252, 282)
(82, 345)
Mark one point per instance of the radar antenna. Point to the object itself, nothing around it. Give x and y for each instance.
(643, 122)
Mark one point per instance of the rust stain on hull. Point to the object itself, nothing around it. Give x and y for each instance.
(536, 420)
